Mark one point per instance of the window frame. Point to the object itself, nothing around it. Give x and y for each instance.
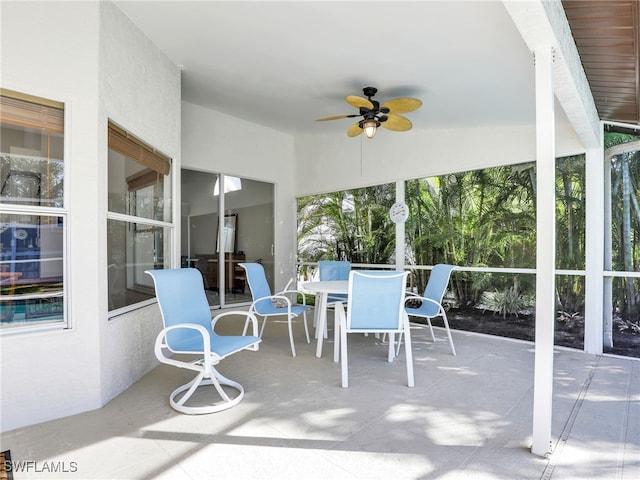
(156, 164)
(54, 115)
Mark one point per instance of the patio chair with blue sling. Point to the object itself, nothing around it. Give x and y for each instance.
(333, 270)
(267, 305)
(375, 305)
(431, 302)
(189, 330)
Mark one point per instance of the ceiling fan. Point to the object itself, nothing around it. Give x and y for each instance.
(375, 115)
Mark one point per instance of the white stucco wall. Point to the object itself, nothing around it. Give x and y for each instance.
(140, 91)
(325, 163)
(87, 55)
(215, 142)
(307, 164)
(50, 49)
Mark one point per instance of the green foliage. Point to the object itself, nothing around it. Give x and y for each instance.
(483, 218)
(570, 212)
(352, 225)
(629, 327)
(570, 320)
(306, 299)
(505, 302)
(476, 218)
(625, 219)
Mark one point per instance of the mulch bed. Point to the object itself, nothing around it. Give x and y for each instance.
(523, 328)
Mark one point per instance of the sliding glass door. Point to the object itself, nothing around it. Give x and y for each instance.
(215, 244)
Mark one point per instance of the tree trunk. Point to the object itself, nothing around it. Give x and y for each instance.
(626, 230)
(566, 182)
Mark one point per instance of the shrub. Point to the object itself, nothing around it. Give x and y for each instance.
(505, 302)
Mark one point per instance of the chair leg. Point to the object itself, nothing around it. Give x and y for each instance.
(446, 325)
(431, 328)
(306, 329)
(319, 310)
(246, 327)
(409, 354)
(392, 352)
(326, 323)
(216, 380)
(336, 339)
(400, 336)
(190, 388)
(293, 347)
(264, 322)
(344, 361)
(339, 321)
(316, 312)
(222, 380)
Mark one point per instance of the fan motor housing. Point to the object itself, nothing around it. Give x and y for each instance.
(370, 91)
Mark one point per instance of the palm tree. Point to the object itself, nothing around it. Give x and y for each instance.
(352, 225)
(625, 169)
(570, 231)
(475, 218)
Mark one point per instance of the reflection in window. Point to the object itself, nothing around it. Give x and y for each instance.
(139, 217)
(31, 153)
(133, 248)
(32, 269)
(32, 262)
(231, 184)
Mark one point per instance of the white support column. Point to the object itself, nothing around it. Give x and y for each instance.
(594, 262)
(222, 279)
(400, 231)
(545, 251)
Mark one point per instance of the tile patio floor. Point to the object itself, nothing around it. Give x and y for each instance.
(469, 417)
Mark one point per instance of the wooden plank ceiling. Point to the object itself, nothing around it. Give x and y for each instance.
(607, 35)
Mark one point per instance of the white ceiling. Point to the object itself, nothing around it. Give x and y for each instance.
(285, 64)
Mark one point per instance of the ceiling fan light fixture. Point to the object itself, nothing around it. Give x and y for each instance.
(374, 115)
(370, 126)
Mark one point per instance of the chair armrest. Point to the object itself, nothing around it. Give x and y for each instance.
(296, 291)
(275, 298)
(286, 299)
(249, 315)
(160, 344)
(430, 300)
(272, 298)
(414, 297)
(291, 290)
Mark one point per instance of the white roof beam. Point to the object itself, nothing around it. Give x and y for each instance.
(542, 23)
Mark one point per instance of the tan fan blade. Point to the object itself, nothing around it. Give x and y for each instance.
(358, 101)
(354, 130)
(334, 117)
(397, 123)
(402, 105)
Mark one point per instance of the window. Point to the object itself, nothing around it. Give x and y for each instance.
(216, 245)
(139, 225)
(32, 215)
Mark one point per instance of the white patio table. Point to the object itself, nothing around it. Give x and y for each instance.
(322, 291)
